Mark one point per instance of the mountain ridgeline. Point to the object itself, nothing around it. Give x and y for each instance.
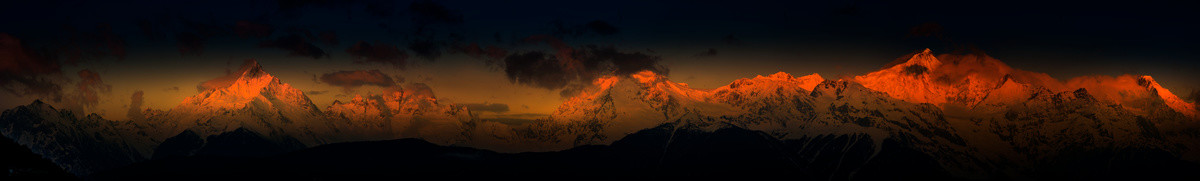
(927, 117)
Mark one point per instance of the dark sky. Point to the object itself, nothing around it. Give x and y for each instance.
(165, 48)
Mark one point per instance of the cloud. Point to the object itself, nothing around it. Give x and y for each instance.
(400, 79)
(297, 46)
(626, 63)
(563, 51)
(494, 52)
(172, 89)
(492, 55)
(428, 12)
(419, 89)
(426, 49)
(101, 43)
(135, 106)
(246, 29)
(536, 69)
(574, 66)
(307, 34)
(37, 73)
(328, 37)
(573, 89)
(358, 78)
(316, 92)
(24, 71)
(484, 107)
(32, 86)
(16, 58)
(90, 86)
(379, 52)
(711, 52)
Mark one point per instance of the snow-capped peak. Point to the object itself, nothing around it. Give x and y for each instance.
(924, 59)
(238, 89)
(1169, 98)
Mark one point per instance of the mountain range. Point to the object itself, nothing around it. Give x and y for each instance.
(923, 116)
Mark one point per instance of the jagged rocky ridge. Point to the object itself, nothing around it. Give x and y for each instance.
(973, 117)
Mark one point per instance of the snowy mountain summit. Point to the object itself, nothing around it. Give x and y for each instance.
(966, 116)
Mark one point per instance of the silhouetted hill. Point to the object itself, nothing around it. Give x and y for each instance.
(663, 152)
(21, 164)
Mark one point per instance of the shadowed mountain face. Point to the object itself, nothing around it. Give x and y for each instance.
(185, 144)
(20, 163)
(78, 145)
(930, 117)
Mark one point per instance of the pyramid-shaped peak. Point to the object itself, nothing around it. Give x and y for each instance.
(1146, 81)
(785, 75)
(925, 58)
(1172, 100)
(249, 71)
(813, 76)
(782, 75)
(251, 68)
(235, 90)
(37, 102)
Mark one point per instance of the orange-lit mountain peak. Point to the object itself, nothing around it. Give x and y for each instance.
(656, 89)
(1169, 98)
(648, 85)
(412, 100)
(645, 76)
(645, 88)
(237, 89)
(971, 80)
(1138, 94)
(962, 79)
(807, 82)
(765, 87)
(925, 59)
(778, 75)
(358, 108)
(249, 69)
(654, 86)
(811, 81)
(909, 81)
(775, 81)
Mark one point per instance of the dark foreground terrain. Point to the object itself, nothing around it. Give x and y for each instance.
(661, 152)
(20, 163)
